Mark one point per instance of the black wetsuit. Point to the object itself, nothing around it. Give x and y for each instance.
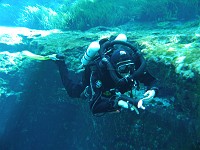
(101, 86)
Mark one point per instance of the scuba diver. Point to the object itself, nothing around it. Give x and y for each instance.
(111, 69)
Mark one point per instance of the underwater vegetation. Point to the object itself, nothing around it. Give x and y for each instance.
(85, 14)
(183, 56)
(40, 17)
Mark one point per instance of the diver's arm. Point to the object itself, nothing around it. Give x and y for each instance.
(152, 88)
(144, 75)
(149, 81)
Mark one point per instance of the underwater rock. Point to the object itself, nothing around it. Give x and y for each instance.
(19, 35)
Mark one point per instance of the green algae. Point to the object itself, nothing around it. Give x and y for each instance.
(182, 51)
(86, 14)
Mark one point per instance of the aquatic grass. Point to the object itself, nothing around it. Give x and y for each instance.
(87, 14)
(163, 10)
(40, 17)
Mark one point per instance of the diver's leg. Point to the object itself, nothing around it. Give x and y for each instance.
(73, 88)
(64, 72)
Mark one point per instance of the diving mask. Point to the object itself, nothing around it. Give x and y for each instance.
(124, 68)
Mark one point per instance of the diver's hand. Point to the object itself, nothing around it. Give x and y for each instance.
(127, 105)
(140, 104)
(148, 96)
